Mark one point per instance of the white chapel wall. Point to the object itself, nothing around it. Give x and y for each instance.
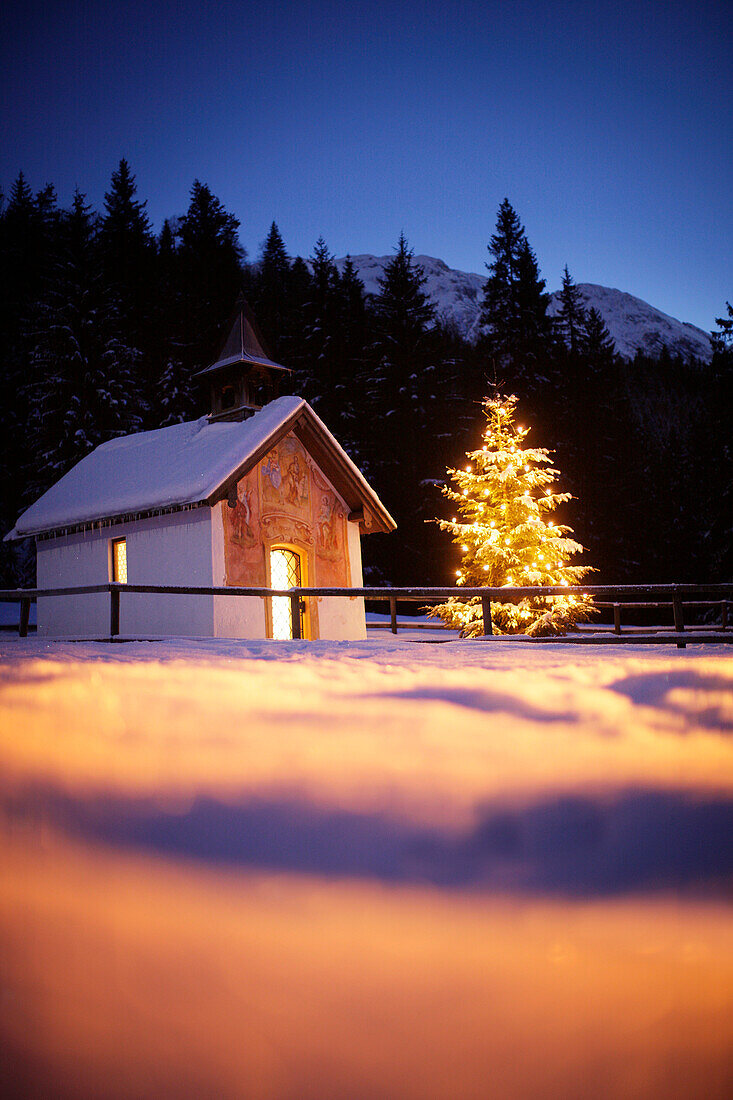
(340, 617)
(68, 562)
(170, 549)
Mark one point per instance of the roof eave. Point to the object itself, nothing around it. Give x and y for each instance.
(246, 360)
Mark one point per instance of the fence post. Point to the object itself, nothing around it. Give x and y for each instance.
(486, 612)
(617, 618)
(295, 615)
(393, 614)
(679, 622)
(25, 610)
(114, 611)
(724, 616)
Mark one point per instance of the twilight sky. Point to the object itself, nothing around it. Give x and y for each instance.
(608, 125)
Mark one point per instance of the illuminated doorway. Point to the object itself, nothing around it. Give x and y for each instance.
(285, 572)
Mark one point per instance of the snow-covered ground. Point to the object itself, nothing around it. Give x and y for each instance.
(375, 869)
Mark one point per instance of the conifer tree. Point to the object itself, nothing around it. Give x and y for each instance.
(571, 317)
(504, 497)
(126, 249)
(353, 305)
(402, 355)
(174, 398)
(291, 341)
(210, 258)
(520, 337)
(397, 385)
(350, 326)
(320, 335)
(28, 229)
(126, 241)
(272, 293)
(719, 537)
(208, 262)
(722, 339)
(83, 385)
(403, 317)
(598, 347)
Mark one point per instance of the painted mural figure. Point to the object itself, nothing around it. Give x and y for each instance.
(241, 519)
(296, 483)
(327, 537)
(286, 477)
(271, 470)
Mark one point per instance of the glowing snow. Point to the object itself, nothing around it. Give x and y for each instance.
(377, 869)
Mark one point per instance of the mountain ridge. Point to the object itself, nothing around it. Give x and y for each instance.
(634, 324)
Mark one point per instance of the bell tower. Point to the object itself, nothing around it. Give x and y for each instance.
(243, 378)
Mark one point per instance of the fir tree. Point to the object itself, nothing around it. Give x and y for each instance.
(403, 317)
(126, 241)
(272, 292)
(598, 347)
(174, 399)
(403, 349)
(718, 535)
(504, 497)
(722, 340)
(28, 231)
(126, 248)
(210, 258)
(396, 387)
(402, 306)
(82, 390)
(321, 330)
(28, 228)
(350, 326)
(571, 317)
(208, 264)
(353, 305)
(520, 334)
(292, 341)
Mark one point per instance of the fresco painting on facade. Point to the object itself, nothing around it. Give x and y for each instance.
(286, 477)
(329, 522)
(244, 553)
(286, 500)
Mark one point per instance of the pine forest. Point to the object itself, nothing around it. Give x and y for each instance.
(103, 325)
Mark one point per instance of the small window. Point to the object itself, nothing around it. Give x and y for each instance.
(119, 561)
(228, 397)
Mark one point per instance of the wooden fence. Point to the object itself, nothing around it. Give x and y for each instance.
(676, 597)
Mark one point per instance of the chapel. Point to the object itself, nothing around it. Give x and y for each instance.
(256, 493)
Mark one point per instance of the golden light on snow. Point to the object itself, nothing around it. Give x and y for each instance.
(140, 959)
(145, 978)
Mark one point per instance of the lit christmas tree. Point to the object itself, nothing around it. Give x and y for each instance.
(504, 497)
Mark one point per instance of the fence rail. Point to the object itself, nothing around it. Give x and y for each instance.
(621, 596)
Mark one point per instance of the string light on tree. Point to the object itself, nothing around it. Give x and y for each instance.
(505, 539)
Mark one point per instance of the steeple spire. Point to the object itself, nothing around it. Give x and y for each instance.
(243, 378)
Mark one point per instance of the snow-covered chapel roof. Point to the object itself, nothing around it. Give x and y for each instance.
(192, 463)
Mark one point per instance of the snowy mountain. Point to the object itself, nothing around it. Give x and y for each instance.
(633, 323)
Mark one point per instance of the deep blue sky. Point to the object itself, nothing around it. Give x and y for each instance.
(608, 125)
